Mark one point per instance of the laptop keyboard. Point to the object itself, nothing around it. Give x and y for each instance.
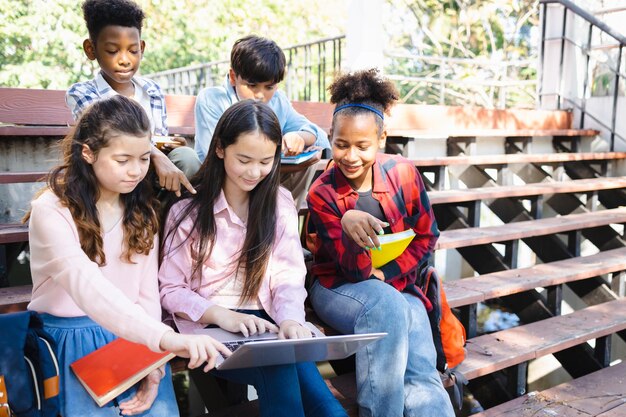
(234, 345)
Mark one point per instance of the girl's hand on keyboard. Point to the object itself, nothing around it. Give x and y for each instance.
(199, 349)
(290, 329)
(246, 324)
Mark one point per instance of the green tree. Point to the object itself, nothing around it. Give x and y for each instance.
(41, 41)
(492, 31)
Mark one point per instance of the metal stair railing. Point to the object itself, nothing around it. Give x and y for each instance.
(588, 51)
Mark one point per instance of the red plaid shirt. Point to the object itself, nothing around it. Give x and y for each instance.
(399, 188)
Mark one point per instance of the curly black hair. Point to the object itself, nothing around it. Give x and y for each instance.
(101, 13)
(363, 87)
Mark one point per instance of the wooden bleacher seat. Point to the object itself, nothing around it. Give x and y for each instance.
(36, 112)
(517, 158)
(599, 394)
(485, 287)
(526, 190)
(492, 352)
(458, 238)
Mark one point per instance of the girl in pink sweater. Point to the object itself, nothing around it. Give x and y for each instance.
(94, 259)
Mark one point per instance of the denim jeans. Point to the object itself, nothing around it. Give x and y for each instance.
(291, 390)
(396, 376)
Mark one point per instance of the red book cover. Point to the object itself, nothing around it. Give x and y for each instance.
(115, 367)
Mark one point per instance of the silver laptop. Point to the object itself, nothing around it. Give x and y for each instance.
(266, 349)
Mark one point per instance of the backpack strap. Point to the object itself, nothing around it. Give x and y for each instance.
(456, 381)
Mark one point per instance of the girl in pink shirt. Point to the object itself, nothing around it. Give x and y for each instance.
(232, 258)
(94, 259)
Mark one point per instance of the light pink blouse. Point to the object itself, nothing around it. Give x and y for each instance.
(282, 291)
(122, 297)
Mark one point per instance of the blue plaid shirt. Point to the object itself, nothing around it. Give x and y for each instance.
(81, 95)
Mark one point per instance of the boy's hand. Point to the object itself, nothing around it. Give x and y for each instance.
(362, 228)
(178, 142)
(290, 329)
(246, 324)
(170, 177)
(293, 144)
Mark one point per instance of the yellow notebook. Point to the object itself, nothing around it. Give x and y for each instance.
(392, 246)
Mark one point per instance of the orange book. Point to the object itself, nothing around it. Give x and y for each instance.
(115, 367)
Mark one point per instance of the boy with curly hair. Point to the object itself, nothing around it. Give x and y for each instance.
(115, 43)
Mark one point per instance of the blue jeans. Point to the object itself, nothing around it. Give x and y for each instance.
(294, 390)
(395, 376)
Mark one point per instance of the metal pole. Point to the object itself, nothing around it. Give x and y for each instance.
(560, 92)
(586, 82)
(615, 96)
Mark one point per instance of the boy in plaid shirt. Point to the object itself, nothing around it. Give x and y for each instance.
(115, 43)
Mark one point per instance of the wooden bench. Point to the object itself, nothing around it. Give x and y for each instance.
(458, 238)
(36, 112)
(599, 394)
(485, 287)
(503, 349)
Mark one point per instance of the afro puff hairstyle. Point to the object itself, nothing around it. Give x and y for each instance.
(101, 13)
(363, 87)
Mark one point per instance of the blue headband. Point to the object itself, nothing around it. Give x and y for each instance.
(363, 106)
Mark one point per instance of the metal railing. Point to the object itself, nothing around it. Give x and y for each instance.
(464, 81)
(601, 52)
(310, 68)
(420, 79)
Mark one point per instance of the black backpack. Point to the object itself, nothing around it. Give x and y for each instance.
(29, 370)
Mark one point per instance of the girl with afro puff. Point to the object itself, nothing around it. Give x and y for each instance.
(364, 194)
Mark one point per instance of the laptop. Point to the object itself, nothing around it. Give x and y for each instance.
(266, 349)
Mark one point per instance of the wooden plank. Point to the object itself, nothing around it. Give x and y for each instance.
(319, 113)
(619, 411)
(13, 233)
(455, 132)
(180, 112)
(451, 239)
(38, 112)
(55, 131)
(30, 106)
(554, 187)
(15, 298)
(601, 393)
(496, 351)
(498, 284)
(22, 177)
(433, 117)
(505, 159)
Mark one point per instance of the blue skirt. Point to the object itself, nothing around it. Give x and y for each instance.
(79, 336)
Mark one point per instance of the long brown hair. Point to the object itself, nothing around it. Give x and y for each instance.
(243, 117)
(76, 185)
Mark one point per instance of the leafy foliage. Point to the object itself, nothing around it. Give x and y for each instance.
(488, 32)
(41, 40)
